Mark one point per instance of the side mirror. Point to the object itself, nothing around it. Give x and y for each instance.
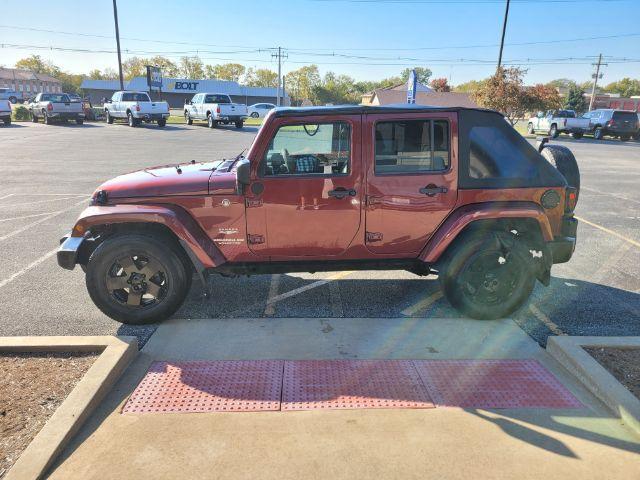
(243, 174)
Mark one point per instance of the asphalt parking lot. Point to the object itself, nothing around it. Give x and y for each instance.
(48, 173)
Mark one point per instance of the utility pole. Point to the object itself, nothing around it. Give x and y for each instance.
(115, 18)
(280, 56)
(504, 30)
(595, 76)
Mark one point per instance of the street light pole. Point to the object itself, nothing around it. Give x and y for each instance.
(504, 30)
(115, 18)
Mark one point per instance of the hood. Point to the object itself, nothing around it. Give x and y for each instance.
(168, 180)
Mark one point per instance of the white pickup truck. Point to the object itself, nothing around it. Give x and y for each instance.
(136, 107)
(53, 107)
(5, 112)
(555, 122)
(215, 108)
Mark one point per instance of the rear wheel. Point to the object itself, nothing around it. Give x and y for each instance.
(79, 121)
(47, 120)
(625, 138)
(239, 124)
(7, 120)
(553, 131)
(598, 134)
(162, 122)
(131, 121)
(255, 115)
(13, 100)
(488, 275)
(34, 117)
(636, 136)
(108, 117)
(137, 279)
(211, 123)
(530, 129)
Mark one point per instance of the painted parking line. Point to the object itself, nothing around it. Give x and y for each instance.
(25, 217)
(620, 197)
(270, 309)
(7, 196)
(422, 304)
(41, 201)
(555, 329)
(24, 270)
(610, 232)
(48, 217)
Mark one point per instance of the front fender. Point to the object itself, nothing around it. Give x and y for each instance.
(202, 251)
(466, 215)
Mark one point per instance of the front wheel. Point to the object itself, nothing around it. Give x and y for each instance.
(553, 131)
(239, 124)
(255, 115)
(530, 129)
(598, 134)
(79, 121)
(34, 117)
(625, 138)
(108, 117)
(136, 279)
(187, 118)
(488, 275)
(13, 100)
(7, 121)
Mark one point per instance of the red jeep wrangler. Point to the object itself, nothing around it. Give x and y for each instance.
(452, 191)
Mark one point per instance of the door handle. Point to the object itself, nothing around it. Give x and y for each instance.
(341, 193)
(432, 190)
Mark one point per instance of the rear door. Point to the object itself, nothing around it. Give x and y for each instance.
(411, 179)
(306, 187)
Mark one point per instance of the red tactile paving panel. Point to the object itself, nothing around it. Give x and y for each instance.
(493, 384)
(220, 386)
(348, 384)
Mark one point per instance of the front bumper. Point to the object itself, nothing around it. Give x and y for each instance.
(68, 251)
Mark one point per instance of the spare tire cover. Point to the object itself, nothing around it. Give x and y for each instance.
(562, 158)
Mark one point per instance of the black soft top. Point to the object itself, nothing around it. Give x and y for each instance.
(364, 109)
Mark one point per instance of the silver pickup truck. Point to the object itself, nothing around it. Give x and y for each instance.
(215, 108)
(555, 122)
(136, 107)
(53, 107)
(5, 112)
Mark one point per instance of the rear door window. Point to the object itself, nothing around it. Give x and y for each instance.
(411, 146)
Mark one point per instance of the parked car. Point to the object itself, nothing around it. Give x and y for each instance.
(215, 108)
(455, 191)
(11, 95)
(136, 107)
(607, 122)
(5, 112)
(555, 122)
(636, 136)
(260, 110)
(55, 107)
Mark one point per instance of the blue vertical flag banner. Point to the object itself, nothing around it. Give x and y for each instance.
(411, 87)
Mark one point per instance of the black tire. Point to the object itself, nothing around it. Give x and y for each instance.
(487, 275)
(239, 124)
(636, 136)
(7, 121)
(13, 100)
(34, 117)
(211, 123)
(47, 120)
(104, 274)
(563, 159)
(530, 129)
(130, 120)
(598, 134)
(576, 135)
(162, 122)
(255, 115)
(79, 121)
(108, 117)
(187, 118)
(553, 131)
(624, 138)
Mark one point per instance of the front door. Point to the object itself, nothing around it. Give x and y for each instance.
(305, 196)
(411, 179)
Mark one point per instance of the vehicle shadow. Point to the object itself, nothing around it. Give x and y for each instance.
(14, 124)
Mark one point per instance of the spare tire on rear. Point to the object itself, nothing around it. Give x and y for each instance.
(562, 158)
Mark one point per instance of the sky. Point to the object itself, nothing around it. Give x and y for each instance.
(366, 39)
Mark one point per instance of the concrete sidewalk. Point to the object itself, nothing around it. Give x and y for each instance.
(440, 443)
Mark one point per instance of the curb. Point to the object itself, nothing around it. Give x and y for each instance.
(116, 353)
(569, 352)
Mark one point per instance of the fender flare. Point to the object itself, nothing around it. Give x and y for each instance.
(464, 216)
(197, 244)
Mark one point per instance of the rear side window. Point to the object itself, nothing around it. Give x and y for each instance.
(494, 154)
(411, 146)
(135, 97)
(217, 99)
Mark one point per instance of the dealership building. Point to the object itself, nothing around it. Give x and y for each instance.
(176, 91)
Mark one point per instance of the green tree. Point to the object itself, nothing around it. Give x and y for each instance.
(423, 74)
(562, 83)
(191, 67)
(468, 87)
(35, 64)
(134, 67)
(337, 89)
(261, 77)
(107, 74)
(226, 71)
(504, 92)
(300, 84)
(575, 100)
(626, 87)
